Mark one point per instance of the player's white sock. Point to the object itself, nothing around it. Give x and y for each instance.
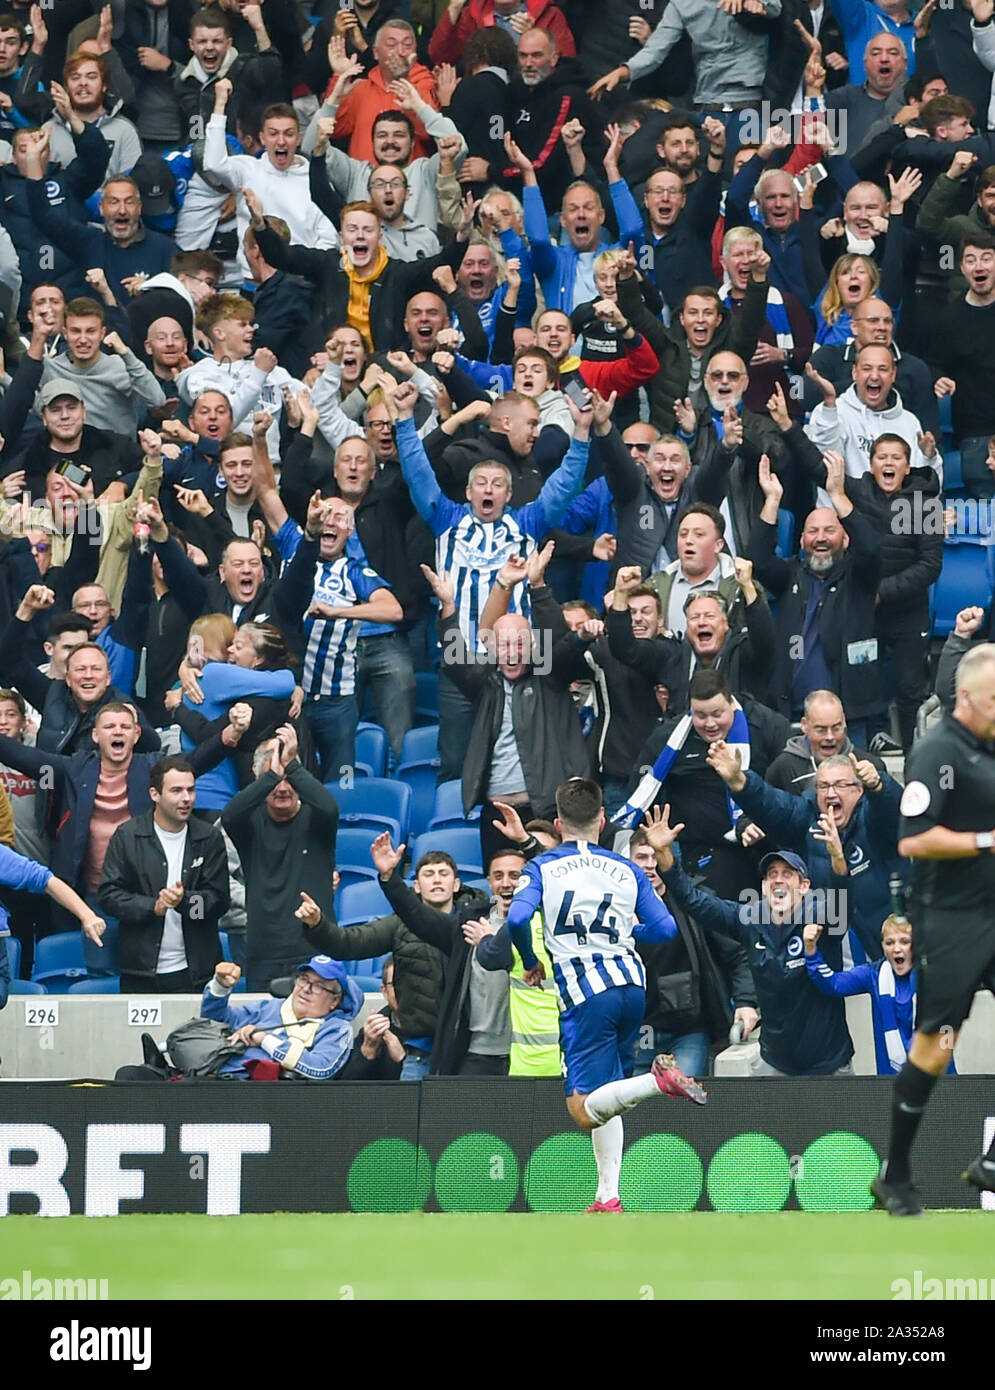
(607, 1141)
(615, 1097)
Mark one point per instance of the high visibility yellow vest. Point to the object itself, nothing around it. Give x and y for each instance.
(535, 1015)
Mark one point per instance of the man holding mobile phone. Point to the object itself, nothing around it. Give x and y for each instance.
(81, 453)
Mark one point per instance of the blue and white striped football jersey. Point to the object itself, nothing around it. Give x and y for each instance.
(330, 656)
(472, 553)
(473, 550)
(594, 904)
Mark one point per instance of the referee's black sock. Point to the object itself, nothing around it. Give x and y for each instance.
(912, 1091)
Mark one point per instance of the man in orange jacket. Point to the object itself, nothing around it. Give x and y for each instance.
(394, 49)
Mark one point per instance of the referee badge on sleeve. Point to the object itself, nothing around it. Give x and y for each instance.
(915, 799)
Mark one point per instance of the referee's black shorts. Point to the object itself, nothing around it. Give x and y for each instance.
(955, 956)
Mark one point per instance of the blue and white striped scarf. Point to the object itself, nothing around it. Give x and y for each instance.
(893, 1043)
(626, 820)
(777, 315)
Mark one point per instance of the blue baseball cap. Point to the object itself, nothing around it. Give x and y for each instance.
(327, 968)
(794, 861)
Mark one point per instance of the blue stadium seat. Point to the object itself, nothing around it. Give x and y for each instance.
(371, 748)
(352, 847)
(448, 807)
(479, 883)
(426, 698)
(965, 580)
(945, 405)
(105, 984)
(13, 956)
(421, 776)
(367, 973)
(59, 961)
(359, 903)
(420, 744)
(953, 474)
(375, 803)
(27, 987)
(462, 842)
(352, 855)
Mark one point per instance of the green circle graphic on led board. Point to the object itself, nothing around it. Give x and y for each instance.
(661, 1172)
(561, 1175)
(389, 1175)
(750, 1172)
(835, 1173)
(477, 1172)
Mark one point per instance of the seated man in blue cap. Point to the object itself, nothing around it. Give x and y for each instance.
(308, 1034)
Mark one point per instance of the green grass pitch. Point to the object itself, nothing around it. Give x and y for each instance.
(698, 1255)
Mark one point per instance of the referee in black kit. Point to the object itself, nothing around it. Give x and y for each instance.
(948, 831)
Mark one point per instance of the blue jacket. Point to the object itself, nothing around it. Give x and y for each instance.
(556, 266)
(870, 843)
(863, 979)
(861, 21)
(802, 1035)
(16, 872)
(593, 511)
(223, 684)
(332, 1043)
(795, 263)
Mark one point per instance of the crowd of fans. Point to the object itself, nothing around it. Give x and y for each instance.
(592, 355)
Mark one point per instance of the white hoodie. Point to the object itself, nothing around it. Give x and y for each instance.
(247, 388)
(852, 427)
(283, 193)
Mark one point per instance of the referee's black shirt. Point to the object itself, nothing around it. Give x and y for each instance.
(950, 781)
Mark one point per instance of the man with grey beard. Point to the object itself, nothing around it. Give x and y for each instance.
(825, 613)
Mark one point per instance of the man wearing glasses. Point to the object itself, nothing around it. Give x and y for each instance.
(404, 238)
(308, 1034)
(873, 322)
(846, 826)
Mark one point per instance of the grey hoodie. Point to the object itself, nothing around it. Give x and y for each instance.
(118, 131)
(794, 770)
(117, 390)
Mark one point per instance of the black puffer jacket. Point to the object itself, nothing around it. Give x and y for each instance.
(419, 967)
(452, 467)
(441, 932)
